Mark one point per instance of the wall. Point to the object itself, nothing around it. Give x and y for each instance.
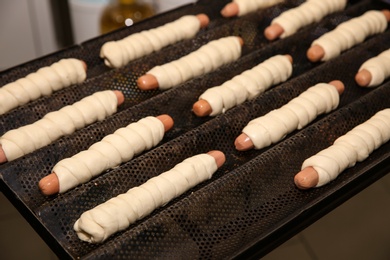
(26, 30)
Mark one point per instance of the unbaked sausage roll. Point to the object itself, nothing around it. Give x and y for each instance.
(26, 139)
(247, 85)
(348, 34)
(116, 214)
(43, 82)
(110, 152)
(117, 54)
(355, 146)
(307, 13)
(243, 7)
(207, 58)
(296, 114)
(374, 71)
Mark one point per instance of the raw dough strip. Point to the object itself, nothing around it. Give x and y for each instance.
(116, 214)
(43, 82)
(378, 67)
(26, 139)
(307, 13)
(111, 151)
(243, 7)
(350, 33)
(248, 85)
(355, 146)
(296, 114)
(119, 53)
(207, 58)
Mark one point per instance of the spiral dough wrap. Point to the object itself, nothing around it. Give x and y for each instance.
(43, 82)
(118, 53)
(247, 6)
(26, 139)
(116, 214)
(307, 13)
(300, 111)
(248, 85)
(111, 151)
(379, 67)
(352, 32)
(354, 146)
(207, 58)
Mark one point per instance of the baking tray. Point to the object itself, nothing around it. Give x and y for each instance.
(250, 205)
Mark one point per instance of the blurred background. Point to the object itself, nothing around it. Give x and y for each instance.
(45, 26)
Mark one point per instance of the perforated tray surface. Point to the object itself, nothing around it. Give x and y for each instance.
(251, 204)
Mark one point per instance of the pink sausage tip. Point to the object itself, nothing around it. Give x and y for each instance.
(230, 10)
(204, 20)
(167, 121)
(315, 53)
(84, 65)
(306, 179)
(119, 96)
(218, 156)
(147, 82)
(3, 158)
(243, 143)
(386, 13)
(363, 78)
(339, 85)
(49, 185)
(273, 32)
(202, 108)
(290, 58)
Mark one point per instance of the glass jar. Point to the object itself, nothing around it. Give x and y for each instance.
(120, 13)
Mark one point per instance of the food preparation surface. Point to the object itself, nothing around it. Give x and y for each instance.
(251, 204)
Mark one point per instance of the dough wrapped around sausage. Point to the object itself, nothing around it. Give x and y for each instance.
(307, 13)
(296, 114)
(116, 214)
(207, 58)
(111, 151)
(26, 139)
(117, 54)
(350, 33)
(379, 68)
(43, 82)
(248, 84)
(355, 146)
(248, 6)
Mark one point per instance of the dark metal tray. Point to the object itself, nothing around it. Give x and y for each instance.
(251, 204)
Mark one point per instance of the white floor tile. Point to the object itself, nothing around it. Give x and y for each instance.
(292, 249)
(18, 240)
(7, 209)
(358, 229)
(386, 182)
